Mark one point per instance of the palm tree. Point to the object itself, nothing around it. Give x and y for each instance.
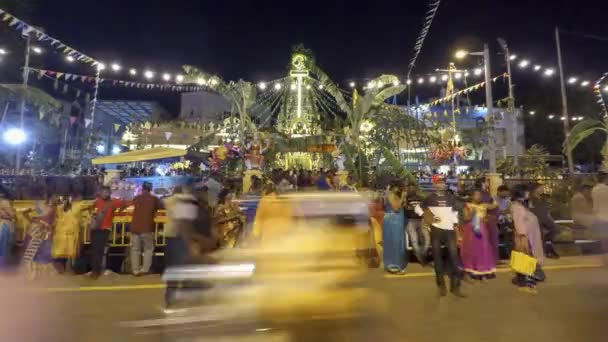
(240, 94)
(583, 130)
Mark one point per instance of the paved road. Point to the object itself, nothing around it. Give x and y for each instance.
(571, 306)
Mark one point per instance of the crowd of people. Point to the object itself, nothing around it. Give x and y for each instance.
(469, 224)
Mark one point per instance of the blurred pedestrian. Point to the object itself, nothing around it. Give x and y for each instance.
(351, 184)
(228, 220)
(37, 259)
(66, 236)
(527, 237)
(581, 207)
(393, 234)
(442, 217)
(8, 218)
(142, 230)
(539, 205)
(599, 195)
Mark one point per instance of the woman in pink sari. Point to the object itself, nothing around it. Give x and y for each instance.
(478, 257)
(527, 238)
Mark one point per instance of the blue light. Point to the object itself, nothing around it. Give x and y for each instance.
(101, 148)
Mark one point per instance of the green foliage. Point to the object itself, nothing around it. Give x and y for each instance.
(584, 130)
(532, 164)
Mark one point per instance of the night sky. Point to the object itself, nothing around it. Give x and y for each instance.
(351, 39)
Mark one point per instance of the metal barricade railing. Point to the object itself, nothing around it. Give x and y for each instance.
(120, 236)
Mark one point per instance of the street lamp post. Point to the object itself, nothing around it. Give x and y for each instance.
(490, 110)
(515, 132)
(564, 102)
(490, 115)
(26, 74)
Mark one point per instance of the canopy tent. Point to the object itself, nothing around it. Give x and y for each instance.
(145, 155)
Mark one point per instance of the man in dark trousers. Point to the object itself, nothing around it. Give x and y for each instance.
(440, 214)
(541, 208)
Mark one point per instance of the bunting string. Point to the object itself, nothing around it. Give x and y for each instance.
(598, 92)
(428, 21)
(92, 80)
(29, 30)
(464, 91)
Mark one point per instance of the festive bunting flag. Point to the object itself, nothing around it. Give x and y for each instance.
(168, 135)
(87, 122)
(41, 115)
(116, 127)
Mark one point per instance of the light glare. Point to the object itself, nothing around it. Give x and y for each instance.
(524, 63)
(14, 136)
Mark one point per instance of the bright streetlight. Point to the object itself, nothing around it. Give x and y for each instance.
(116, 67)
(14, 136)
(460, 54)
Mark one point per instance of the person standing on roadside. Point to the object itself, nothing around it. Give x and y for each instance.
(101, 225)
(442, 217)
(599, 196)
(142, 230)
(541, 208)
(419, 236)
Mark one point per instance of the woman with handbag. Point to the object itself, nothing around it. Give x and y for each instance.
(527, 239)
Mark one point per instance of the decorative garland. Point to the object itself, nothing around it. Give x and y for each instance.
(464, 91)
(430, 15)
(27, 29)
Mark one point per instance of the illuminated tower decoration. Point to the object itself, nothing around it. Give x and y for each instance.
(298, 115)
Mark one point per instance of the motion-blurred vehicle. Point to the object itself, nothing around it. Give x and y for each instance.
(307, 264)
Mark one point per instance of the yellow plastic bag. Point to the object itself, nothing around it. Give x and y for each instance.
(523, 263)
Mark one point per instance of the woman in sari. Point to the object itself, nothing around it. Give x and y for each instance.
(37, 259)
(478, 258)
(67, 230)
(228, 219)
(7, 228)
(393, 231)
(527, 239)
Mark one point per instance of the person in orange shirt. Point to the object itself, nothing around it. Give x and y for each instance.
(105, 208)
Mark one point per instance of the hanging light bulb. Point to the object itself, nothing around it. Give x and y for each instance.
(308, 87)
(432, 79)
(524, 63)
(572, 80)
(352, 84)
(293, 86)
(537, 67)
(395, 83)
(584, 83)
(457, 75)
(200, 81)
(371, 84)
(262, 85)
(133, 72)
(116, 67)
(148, 74)
(167, 77)
(549, 72)
(477, 71)
(277, 86)
(444, 77)
(380, 84)
(408, 82)
(101, 66)
(70, 59)
(420, 80)
(179, 78)
(320, 87)
(512, 57)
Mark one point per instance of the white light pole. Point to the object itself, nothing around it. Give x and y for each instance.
(515, 132)
(564, 102)
(490, 115)
(26, 74)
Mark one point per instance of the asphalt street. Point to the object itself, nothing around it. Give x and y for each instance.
(571, 306)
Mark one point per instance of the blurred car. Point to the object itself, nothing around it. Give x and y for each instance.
(308, 263)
